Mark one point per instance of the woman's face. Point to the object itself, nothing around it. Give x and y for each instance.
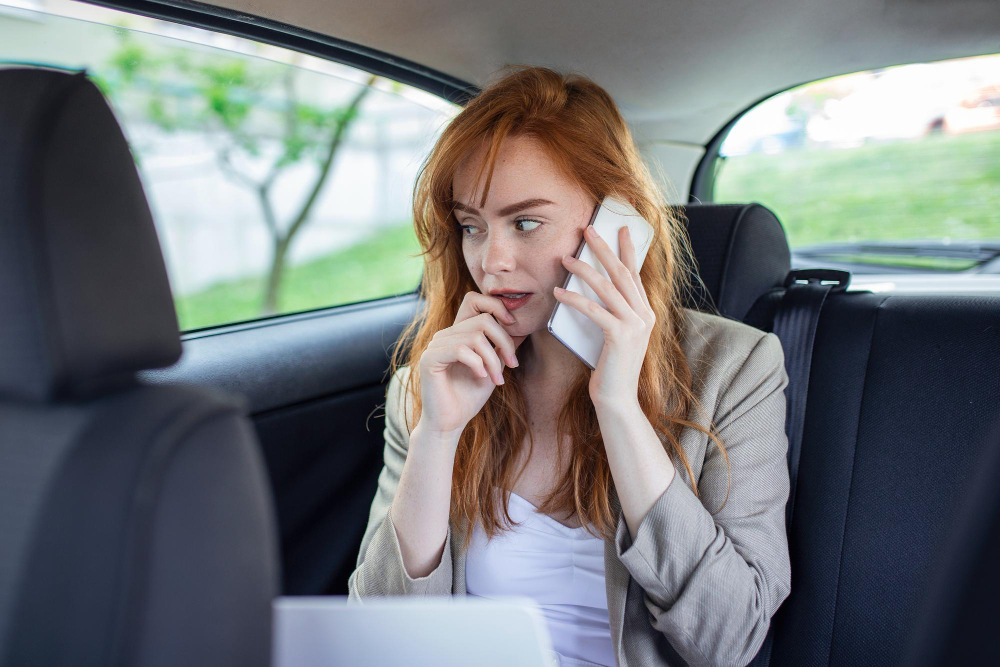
(534, 215)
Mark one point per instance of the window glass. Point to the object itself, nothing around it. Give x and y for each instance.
(279, 182)
(892, 174)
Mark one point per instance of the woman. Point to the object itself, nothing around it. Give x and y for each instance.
(511, 468)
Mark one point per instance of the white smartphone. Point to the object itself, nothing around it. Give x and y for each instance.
(571, 327)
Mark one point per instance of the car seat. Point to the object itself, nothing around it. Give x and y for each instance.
(136, 520)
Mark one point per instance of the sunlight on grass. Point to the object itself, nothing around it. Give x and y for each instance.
(377, 267)
(932, 188)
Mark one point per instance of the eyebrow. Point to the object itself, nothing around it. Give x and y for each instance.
(508, 210)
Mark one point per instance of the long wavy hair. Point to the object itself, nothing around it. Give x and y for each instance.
(583, 131)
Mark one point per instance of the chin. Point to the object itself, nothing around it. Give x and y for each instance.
(530, 319)
(527, 329)
(521, 329)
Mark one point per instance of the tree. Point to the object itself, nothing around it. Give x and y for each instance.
(243, 102)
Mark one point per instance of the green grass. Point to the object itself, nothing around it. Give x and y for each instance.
(915, 263)
(937, 187)
(376, 267)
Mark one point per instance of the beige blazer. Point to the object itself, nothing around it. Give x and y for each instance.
(694, 588)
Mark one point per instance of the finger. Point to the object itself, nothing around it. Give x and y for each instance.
(476, 303)
(588, 307)
(604, 288)
(503, 340)
(469, 357)
(618, 272)
(484, 349)
(477, 341)
(642, 291)
(627, 249)
(444, 354)
(631, 262)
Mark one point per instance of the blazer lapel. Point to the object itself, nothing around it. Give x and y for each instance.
(458, 553)
(616, 584)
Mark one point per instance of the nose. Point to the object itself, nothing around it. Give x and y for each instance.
(498, 256)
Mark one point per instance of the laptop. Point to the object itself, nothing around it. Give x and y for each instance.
(406, 631)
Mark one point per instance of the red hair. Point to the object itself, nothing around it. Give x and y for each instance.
(582, 130)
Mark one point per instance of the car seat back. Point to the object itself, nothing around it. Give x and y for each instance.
(902, 391)
(136, 520)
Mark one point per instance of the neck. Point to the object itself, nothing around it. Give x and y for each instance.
(548, 362)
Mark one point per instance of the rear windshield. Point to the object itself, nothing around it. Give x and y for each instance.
(892, 174)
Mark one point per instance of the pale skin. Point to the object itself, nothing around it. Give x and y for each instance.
(524, 238)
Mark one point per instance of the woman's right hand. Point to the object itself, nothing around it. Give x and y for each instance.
(464, 363)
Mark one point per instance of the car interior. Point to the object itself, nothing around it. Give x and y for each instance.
(161, 485)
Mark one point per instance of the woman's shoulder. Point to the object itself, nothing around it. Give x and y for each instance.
(396, 397)
(718, 347)
(400, 377)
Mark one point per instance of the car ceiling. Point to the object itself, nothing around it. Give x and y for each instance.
(678, 70)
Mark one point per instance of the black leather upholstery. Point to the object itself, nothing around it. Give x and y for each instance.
(741, 253)
(136, 523)
(77, 233)
(902, 393)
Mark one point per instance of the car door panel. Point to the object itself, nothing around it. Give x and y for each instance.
(315, 388)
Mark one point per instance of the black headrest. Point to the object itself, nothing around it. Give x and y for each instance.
(741, 251)
(84, 296)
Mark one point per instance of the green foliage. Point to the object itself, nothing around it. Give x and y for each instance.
(218, 84)
(186, 89)
(158, 112)
(247, 103)
(158, 81)
(132, 60)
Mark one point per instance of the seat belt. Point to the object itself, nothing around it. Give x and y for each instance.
(795, 326)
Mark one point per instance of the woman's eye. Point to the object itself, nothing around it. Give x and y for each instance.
(527, 224)
(468, 230)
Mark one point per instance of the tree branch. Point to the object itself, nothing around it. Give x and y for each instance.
(260, 189)
(291, 125)
(270, 219)
(233, 172)
(331, 152)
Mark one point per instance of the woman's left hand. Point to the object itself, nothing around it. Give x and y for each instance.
(627, 321)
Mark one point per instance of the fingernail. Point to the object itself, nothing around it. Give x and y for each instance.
(511, 319)
(514, 361)
(559, 290)
(567, 258)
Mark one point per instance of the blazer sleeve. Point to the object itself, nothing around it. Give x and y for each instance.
(713, 582)
(380, 568)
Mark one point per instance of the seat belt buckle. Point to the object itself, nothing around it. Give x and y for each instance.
(820, 276)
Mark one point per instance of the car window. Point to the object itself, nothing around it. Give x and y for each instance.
(893, 174)
(279, 182)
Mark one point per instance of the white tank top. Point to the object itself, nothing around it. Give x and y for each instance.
(561, 568)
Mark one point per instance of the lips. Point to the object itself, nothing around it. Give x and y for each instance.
(513, 300)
